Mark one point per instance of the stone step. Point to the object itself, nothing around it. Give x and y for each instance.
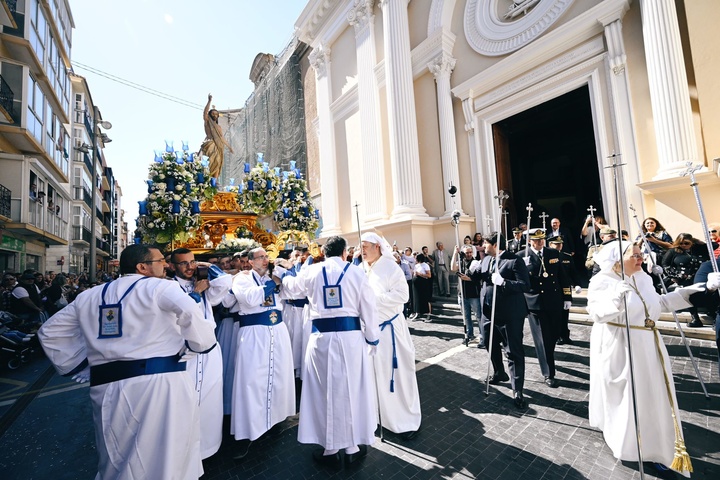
(579, 316)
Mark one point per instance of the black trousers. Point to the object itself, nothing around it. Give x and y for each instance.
(508, 338)
(545, 330)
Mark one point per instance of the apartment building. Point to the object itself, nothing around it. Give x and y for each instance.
(35, 117)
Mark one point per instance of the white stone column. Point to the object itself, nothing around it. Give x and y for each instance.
(320, 61)
(669, 92)
(402, 120)
(442, 68)
(623, 125)
(362, 18)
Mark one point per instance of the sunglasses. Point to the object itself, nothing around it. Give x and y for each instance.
(712, 231)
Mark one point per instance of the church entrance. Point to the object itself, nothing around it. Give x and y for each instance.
(546, 156)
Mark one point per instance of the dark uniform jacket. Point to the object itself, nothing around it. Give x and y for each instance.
(510, 302)
(547, 292)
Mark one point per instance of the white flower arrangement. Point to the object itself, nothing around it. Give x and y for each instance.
(297, 211)
(237, 244)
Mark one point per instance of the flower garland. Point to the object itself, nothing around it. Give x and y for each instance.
(236, 245)
(260, 191)
(298, 211)
(177, 183)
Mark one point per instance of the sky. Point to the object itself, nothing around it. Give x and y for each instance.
(185, 49)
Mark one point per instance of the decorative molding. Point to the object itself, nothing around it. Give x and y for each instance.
(490, 35)
(313, 18)
(440, 15)
(469, 116)
(320, 61)
(346, 104)
(443, 64)
(360, 15)
(562, 63)
(578, 30)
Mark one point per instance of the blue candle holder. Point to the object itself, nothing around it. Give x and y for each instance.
(185, 145)
(268, 185)
(150, 185)
(179, 157)
(205, 161)
(195, 207)
(138, 240)
(260, 157)
(317, 213)
(213, 182)
(175, 207)
(192, 157)
(292, 164)
(246, 168)
(265, 166)
(285, 175)
(277, 171)
(171, 184)
(232, 182)
(291, 195)
(143, 207)
(169, 146)
(188, 187)
(240, 187)
(286, 212)
(158, 156)
(200, 177)
(305, 211)
(251, 185)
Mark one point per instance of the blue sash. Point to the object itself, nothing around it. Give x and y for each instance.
(120, 370)
(394, 351)
(336, 324)
(267, 318)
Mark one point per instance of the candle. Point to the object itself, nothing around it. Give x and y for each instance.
(143, 207)
(205, 161)
(246, 168)
(200, 177)
(213, 182)
(232, 182)
(188, 187)
(169, 146)
(175, 207)
(251, 185)
(292, 164)
(179, 157)
(285, 175)
(265, 166)
(185, 145)
(158, 156)
(194, 207)
(268, 185)
(260, 157)
(277, 171)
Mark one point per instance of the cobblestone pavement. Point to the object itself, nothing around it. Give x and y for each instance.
(465, 434)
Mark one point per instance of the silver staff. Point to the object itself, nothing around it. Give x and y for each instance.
(455, 221)
(703, 222)
(544, 216)
(592, 211)
(500, 197)
(357, 217)
(505, 228)
(527, 230)
(665, 291)
(614, 167)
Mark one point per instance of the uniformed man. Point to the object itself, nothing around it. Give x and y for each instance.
(566, 261)
(517, 243)
(549, 295)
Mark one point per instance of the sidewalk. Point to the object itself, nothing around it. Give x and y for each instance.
(465, 434)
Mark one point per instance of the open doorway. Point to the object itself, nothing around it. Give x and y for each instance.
(546, 156)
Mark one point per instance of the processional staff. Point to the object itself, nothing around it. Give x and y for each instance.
(500, 197)
(703, 221)
(592, 211)
(544, 216)
(616, 181)
(527, 231)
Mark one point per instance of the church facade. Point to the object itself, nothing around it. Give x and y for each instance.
(561, 104)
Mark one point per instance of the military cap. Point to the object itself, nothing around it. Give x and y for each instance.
(536, 234)
(555, 239)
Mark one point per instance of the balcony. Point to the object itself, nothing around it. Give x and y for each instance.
(84, 195)
(6, 100)
(81, 234)
(31, 218)
(8, 14)
(4, 202)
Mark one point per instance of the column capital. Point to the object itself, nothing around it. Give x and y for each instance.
(443, 64)
(320, 60)
(385, 3)
(360, 15)
(469, 116)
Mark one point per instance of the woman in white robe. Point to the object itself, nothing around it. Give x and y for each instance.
(611, 408)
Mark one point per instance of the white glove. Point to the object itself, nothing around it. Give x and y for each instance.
(279, 271)
(566, 305)
(497, 279)
(685, 292)
(185, 354)
(527, 261)
(372, 350)
(578, 289)
(622, 288)
(713, 281)
(83, 375)
(657, 270)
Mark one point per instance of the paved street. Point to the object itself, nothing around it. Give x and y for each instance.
(465, 434)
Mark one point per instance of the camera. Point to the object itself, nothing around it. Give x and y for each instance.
(201, 272)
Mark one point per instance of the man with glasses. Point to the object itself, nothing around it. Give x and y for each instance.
(264, 383)
(205, 369)
(132, 333)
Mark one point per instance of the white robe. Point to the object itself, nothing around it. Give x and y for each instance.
(264, 384)
(206, 370)
(146, 426)
(338, 404)
(399, 409)
(611, 407)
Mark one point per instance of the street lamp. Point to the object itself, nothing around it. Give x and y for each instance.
(97, 123)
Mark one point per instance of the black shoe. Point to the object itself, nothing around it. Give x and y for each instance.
(561, 341)
(409, 435)
(519, 400)
(499, 378)
(243, 449)
(357, 456)
(329, 460)
(551, 382)
(695, 323)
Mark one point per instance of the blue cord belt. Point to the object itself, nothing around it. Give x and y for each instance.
(336, 324)
(122, 369)
(394, 355)
(267, 318)
(298, 303)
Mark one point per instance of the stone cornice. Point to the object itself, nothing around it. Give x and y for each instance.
(323, 21)
(576, 31)
(346, 105)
